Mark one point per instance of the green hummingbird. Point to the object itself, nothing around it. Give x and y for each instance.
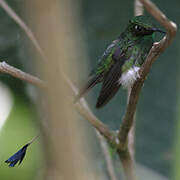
(121, 61)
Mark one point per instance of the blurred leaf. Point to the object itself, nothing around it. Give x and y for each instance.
(19, 128)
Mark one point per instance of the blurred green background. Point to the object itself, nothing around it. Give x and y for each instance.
(158, 117)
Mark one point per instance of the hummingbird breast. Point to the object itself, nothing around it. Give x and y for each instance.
(136, 55)
(128, 78)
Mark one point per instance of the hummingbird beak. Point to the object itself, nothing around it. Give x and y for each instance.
(158, 30)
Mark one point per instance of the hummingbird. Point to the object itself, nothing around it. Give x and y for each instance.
(121, 61)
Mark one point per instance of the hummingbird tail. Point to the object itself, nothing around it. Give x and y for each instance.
(106, 97)
(93, 80)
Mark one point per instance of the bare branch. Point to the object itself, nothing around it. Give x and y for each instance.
(156, 50)
(33, 139)
(84, 110)
(170, 26)
(21, 23)
(138, 8)
(81, 106)
(131, 135)
(108, 159)
(6, 68)
(33, 80)
(95, 122)
(127, 163)
(127, 155)
(102, 131)
(127, 125)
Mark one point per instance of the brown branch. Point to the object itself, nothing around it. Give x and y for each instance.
(156, 50)
(128, 120)
(33, 139)
(95, 122)
(82, 106)
(21, 23)
(127, 156)
(138, 8)
(84, 110)
(131, 135)
(108, 159)
(103, 129)
(17, 73)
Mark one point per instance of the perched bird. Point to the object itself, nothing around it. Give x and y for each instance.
(121, 61)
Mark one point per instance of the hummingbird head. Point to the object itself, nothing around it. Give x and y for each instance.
(140, 26)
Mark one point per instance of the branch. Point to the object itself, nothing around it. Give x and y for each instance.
(21, 23)
(82, 107)
(156, 50)
(17, 73)
(102, 131)
(102, 128)
(108, 159)
(84, 110)
(127, 155)
(128, 120)
(138, 8)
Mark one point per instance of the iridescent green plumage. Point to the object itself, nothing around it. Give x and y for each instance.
(129, 50)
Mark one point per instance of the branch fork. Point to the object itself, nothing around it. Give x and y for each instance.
(121, 139)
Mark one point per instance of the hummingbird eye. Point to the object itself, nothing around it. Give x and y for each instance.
(138, 28)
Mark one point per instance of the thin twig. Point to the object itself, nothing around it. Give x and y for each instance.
(33, 139)
(128, 119)
(108, 159)
(127, 155)
(84, 110)
(102, 131)
(33, 80)
(170, 26)
(82, 106)
(138, 8)
(21, 23)
(131, 135)
(95, 122)
(156, 50)
(6, 68)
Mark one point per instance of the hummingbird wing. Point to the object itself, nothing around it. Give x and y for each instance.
(106, 59)
(111, 83)
(97, 75)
